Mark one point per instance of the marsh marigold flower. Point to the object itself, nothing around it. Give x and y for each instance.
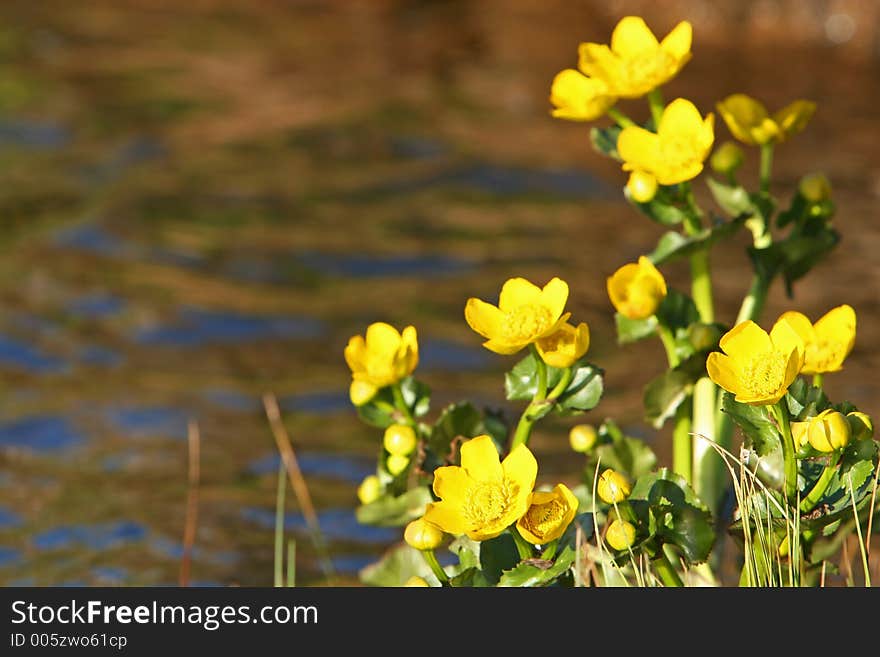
(636, 290)
(748, 120)
(381, 359)
(636, 63)
(565, 346)
(577, 97)
(829, 431)
(525, 314)
(422, 535)
(676, 152)
(485, 495)
(828, 341)
(548, 515)
(755, 366)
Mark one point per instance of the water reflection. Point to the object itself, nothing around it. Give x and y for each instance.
(40, 433)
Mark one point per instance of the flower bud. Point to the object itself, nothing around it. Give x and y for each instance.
(860, 424)
(641, 186)
(727, 158)
(613, 487)
(799, 433)
(815, 188)
(422, 535)
(416, 581)
(828, 431)
(782, 550)
(370, 490)
(620, 534)
(396, 463)
(360, 392)
(399, 439)
(704, 337)
(636, 289)
(582, 437)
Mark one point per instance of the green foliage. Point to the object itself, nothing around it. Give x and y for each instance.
(461, 421)
(396, 566)
(805, 401)
(582, 393)
(632, 330)
(604, 140)
(758, 427)
(673, 245)
(620, 452)
(660, 209)
(537, 572)
(416, 395)
(668, 391)
(379, 412)
(395, 511)
(496, 556)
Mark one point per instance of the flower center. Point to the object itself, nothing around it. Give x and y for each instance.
(763, 373)
(541, 519)
(488, 501)
(525, 323)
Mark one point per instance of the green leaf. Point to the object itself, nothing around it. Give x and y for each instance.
(628, 455)
(797, 254)
(396, 566)
(678, 515)
(416, 395)
(605, 140)
(460, 419)
(521, 382)
(582, 394)
(631, 330)
(659, 209)
(470, 578)
(858, 460)
(677, 311)
(497, 555)
(467, 550)
(378, 411)
(526, 574)
(390, 511)
(664, 395)
(759, 429)
(584, 391)
(733, 199)
(805, 401)
(674, 245)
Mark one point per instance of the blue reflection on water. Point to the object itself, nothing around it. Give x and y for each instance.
(41, 433)
(231, 400)
(96, 306)
(9, 555)
(196, 327)
(445, 355)
(316, 464)
(149, 421)
(100, 356)
(339, 524)
(95, 537)
(9, 518)
(375, 266)
(320, 403)
(33, 134)
(24, 356)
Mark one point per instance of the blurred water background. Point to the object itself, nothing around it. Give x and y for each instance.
(200, 202)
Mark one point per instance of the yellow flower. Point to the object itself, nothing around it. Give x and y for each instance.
(579, 98)
(620, 534)
(565, 346)
(483, 496)
(613, 487)
(548, 515)
(636, 63)
(828, 341)
(829, 431)
(382, 359)
(525, 314)
(755, 366)
(636, 290)
(749, 121)
(678, 149)
(422, 535)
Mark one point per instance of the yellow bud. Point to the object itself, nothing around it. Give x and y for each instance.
(613, 487)
(636, 289)
(369, 490)
(799, 433)
(815, 188)
(642, 187)
(860, 425)
(727, 158)
(396, 463)
(416, 581)
(399, 439)
(828, 431)
(361, 392)
(582, 437)
(704, 337)
(782, 550)
(422, 535)
(620, 534)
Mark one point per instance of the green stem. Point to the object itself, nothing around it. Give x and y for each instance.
(523, 429)
(862, 550)
(279, 524)
(655, 100)
(550, 551)
(753, 304)
(817, 380)
(291, 563)
(562, 386)
(436, 568)
(620, 118)
(709, 472)
(668, 341)
(788, 451)
(522, 545)
(400, 404)
(818, 490)
(701, 286)
(541, 369)
(664, 569)
(766, 166)
(682, 445)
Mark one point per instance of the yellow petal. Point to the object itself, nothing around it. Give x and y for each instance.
(647, 268)
(479, 457)
(639, 149)
(579, 98)
(447, 517)
(794, 117)
(554, 296)
(354, 353)
(503, 348)
(746, 338)
(678, 42)
(722, 370)
(451, 484)
(742, 114)
(681, 120)
(631, 37)
(674, 175)
(785, 338)
(793, 368)
(837, 328)
(597, 61)
(482, 317)
(565, 346)
(382, 338)
(518, 292)
(520, 466)
(800, 323)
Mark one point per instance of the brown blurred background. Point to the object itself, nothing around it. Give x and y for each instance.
(202, 201)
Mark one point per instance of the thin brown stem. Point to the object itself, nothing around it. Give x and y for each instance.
(192, 501)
